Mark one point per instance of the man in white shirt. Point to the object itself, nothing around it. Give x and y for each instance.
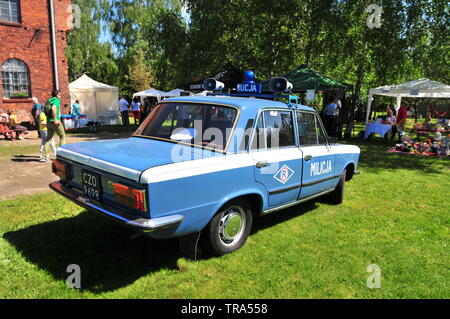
(330, 112)
(123, 108)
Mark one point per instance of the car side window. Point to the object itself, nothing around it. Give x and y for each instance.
(310, 131)
(307, 132)
(274, 129)
(320, 133)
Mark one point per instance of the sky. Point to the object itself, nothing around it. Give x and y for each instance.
(105, 35)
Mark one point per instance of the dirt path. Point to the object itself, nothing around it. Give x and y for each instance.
(22, 173)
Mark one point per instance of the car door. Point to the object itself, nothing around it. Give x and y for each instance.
(276, 157)
(318, 158)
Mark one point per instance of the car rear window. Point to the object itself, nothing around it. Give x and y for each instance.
(198, 124)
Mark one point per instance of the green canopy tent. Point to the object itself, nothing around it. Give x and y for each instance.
(303, 79)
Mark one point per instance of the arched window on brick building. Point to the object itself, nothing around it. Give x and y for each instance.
(10, 11)
(15, 79)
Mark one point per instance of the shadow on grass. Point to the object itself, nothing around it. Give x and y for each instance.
(283, 215)
(25, 158)
(108, 259)
(375, 157)
(104, 131)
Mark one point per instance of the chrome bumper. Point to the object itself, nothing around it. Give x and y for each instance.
(141, 224)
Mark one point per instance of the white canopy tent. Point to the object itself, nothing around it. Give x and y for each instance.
(98, 101)
(175, 92)
(150, 93)
(159, 95)
(202, 93)
(423, 88)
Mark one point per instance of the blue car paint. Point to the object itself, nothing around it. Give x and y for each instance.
(271, 178)
(316, 172)
(199, 197)
(135, 153)
(199, 204)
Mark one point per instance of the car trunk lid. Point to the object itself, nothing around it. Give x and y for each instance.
(129, 157)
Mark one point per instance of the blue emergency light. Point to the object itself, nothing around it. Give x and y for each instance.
(249, 85)
(252, 89)
(249, 77)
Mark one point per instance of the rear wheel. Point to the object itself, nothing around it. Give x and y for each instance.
(229, 228)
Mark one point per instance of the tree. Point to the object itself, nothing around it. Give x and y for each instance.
(270, 37)
(140, 74)
(85, 53)
(156, 28)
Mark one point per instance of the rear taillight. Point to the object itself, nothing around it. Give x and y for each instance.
(61, 169)
(129, 196)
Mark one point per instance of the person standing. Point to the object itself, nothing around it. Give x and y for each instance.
(136, 109)
(76, 113)
(402, 114)
(35, 112)
(145, 109)
(391, 118)
(338, 103)
(330, 113)
(54, 125)
(123, 108)
(339, 120)
(43, 130)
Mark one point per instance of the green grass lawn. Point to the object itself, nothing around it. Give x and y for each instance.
(395, 215)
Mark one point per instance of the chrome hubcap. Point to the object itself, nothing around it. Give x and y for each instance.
(232, 225)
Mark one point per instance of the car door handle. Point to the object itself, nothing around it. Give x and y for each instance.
(307, 157)
(262, 164)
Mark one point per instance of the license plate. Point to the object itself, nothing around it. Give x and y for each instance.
(92, 185)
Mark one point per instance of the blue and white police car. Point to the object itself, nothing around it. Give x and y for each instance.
(204, 167)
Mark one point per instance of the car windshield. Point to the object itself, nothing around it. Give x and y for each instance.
(198, 124)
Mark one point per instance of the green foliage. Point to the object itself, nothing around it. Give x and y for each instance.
(140, 74)
(156, 28)
(270, 37)
(20, 95)
(85, 53)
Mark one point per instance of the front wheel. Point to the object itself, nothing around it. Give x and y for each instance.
(229, 228)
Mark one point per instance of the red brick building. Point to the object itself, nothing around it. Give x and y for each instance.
(27, 59)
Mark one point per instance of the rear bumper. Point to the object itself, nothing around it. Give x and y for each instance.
(140, 224)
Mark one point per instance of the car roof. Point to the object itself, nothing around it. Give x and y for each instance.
(239, 102)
